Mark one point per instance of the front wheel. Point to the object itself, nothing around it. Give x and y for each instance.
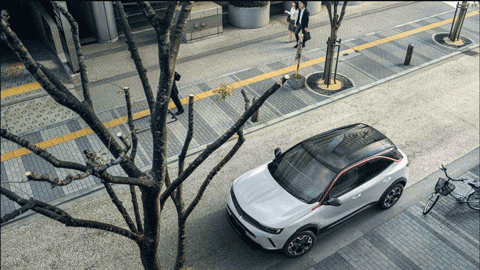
(430, 203)
(473, 200)
(299, 244)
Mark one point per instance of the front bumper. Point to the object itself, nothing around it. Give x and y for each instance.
(253, 236)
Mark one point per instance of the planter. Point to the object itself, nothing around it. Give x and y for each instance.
(251, 17)
(313, 6)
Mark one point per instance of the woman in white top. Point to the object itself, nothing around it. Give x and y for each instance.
(293, 19)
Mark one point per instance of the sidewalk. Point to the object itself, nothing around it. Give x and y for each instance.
(366, 68)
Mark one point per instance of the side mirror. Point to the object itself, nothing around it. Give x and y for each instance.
(277, 152)
(333, 202)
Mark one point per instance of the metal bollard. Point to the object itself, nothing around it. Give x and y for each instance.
(408, 57)
(254, 117)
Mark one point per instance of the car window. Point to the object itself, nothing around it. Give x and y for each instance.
(345, 182)
(301, 175)
(372, 168)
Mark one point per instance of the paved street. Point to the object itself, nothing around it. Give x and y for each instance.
(430, 109)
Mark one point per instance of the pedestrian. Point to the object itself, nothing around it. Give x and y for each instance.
(174, 95)
(302, 22)
(293, 15)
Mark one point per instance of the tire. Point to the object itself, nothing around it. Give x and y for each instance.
(300, 243)
(391, 196)
(431, 202)
(473, 200)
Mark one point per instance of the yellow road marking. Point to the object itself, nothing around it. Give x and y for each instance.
(115, 122)
(20, 89)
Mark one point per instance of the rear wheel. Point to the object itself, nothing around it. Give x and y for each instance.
(430, 203)
(391, 196)
(473, 200)
(299, 244)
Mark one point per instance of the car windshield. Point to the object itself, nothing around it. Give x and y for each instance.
(301, 174)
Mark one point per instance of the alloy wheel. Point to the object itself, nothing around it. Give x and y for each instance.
(300, 245)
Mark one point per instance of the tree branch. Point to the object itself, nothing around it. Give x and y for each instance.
(214, 172)
(61, 95)
(344, 7)
(176, 36)
(63, 217)
(221, 140)
(55, 181)
(44, 154)
(120, 207)
(76, 42)
(188, 138)
(136, 209)
(132, 47)
(131, 126)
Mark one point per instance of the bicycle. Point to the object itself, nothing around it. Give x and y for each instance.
(446, 187)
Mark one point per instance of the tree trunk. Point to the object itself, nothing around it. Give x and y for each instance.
(151, 232)
(327, 75)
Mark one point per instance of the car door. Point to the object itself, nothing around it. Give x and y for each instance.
(374, 178)
(347, 190)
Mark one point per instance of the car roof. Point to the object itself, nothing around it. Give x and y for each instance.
(343, 146)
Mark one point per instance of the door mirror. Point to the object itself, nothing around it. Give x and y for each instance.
(333, 202)
(277, 152)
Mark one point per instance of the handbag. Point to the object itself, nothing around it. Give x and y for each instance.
(288, 18)
(307, 36)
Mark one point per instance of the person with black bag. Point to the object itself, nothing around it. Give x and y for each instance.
(174, 95)
(292, 19)
(302, 22)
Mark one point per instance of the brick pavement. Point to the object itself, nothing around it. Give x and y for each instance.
(365, 68)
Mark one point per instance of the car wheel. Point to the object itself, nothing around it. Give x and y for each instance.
(391, 196)
(299, 244)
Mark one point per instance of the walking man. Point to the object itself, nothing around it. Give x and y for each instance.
(302, 22)
(174, 95)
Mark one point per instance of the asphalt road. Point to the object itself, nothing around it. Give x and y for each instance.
(431, 114)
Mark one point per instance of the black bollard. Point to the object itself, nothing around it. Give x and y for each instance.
(408, 57)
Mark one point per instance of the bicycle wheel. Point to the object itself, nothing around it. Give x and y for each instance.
(431, 202)
(473, 200)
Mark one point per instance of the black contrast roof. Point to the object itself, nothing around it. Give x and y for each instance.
(338, 148)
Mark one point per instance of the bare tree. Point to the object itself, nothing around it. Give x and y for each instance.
(155, 186)
(335, 21)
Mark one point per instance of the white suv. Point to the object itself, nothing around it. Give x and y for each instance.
(314, 185)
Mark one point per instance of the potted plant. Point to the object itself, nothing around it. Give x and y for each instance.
(249, 14)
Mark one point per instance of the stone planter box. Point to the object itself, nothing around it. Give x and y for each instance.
(204, 21)
(295, 82)
(313, 6)
(249, 18)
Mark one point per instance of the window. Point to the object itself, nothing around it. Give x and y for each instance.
(300, 174)
(372, 168)
(345, 183)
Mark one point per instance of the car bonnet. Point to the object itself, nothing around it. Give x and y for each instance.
(263, 199)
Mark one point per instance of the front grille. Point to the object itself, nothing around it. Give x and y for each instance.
(236, 223)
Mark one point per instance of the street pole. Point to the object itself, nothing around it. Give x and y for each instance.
(458, 23)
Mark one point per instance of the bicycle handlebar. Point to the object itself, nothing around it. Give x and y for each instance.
(445, 171)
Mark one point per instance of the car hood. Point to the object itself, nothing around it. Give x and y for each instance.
(263, 199)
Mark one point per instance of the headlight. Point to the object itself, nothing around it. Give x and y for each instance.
(249, 219)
